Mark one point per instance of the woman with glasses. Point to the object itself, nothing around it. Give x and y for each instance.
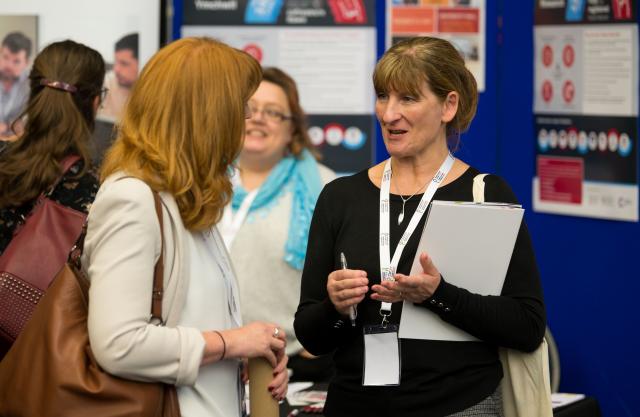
(65, 84)
(265, 227)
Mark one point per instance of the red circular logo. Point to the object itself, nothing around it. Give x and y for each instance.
(547, 91)
(547, 55)
(334, 133)
(568, 55)
(253, 50)
(568, 91)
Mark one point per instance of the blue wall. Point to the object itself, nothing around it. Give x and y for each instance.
(589, 267)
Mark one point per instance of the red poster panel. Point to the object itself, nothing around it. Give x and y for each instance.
(561, 179)
(412, 20)
(459, 20)
(348, 11)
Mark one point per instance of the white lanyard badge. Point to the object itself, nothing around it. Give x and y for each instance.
(216, 245)
(230, 223)
(387, 265)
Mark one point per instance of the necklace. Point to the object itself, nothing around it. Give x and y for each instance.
(401, 215)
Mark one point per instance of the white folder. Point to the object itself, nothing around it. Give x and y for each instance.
(471, 245)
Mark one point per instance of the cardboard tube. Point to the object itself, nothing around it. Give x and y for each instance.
(261, 403)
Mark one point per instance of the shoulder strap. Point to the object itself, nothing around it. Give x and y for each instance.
(158, 275)
(66, 163)
(478, 188)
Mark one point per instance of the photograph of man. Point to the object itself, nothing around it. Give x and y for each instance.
(15, 52)
(120, 79)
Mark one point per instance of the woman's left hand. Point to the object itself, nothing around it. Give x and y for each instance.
(413, 288)
(279, 384)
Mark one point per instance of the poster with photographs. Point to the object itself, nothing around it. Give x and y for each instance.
(18, 40)
(586, 109)
(461, 22)
(126, 33)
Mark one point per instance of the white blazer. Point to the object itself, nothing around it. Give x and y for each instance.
(121, 248)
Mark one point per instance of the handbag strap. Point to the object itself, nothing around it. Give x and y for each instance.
(158, 275)
(66, 164)
(158, 272)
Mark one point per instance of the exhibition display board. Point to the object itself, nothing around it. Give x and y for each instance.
(461, 22)
(586, 109)
(329, 48)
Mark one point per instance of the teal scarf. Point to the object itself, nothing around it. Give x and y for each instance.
(302, 178)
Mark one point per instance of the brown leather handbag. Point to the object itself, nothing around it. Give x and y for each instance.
(37, 251)
(50, 370)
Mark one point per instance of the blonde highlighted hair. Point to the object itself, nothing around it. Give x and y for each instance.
(408, 64)
(184, 124)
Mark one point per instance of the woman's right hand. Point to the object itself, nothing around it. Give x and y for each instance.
(346, 288)
(257, 339)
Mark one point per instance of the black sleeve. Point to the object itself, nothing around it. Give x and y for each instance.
(318, 325)
(515, 319)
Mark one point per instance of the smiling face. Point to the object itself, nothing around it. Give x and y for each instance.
(413, 124)
(268, 129)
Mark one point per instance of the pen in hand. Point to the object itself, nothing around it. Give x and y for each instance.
(353, 313)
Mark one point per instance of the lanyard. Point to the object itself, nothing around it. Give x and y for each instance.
(216, 245)
(388, 265)
(230, 223)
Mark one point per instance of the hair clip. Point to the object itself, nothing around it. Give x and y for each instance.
(59, 85)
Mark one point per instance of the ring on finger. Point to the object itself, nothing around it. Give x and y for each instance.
(276, 332)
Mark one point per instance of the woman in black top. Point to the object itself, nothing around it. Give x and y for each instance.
(66, 86)
(425, 98)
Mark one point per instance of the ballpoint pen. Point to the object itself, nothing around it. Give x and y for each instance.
(353, 313)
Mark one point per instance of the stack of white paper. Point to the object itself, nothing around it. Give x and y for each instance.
(560, 399)
(471, 245)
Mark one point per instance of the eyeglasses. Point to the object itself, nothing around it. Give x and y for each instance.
(103, 93)
(269, 113)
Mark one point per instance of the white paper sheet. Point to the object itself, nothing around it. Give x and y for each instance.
(471, 245)
(560, 399)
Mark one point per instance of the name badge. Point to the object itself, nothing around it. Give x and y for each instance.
(381, 355)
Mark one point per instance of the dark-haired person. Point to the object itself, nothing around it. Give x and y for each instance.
(120, 80)
(425, 98)
(15, 52)
(65, 90)
(267, 223)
